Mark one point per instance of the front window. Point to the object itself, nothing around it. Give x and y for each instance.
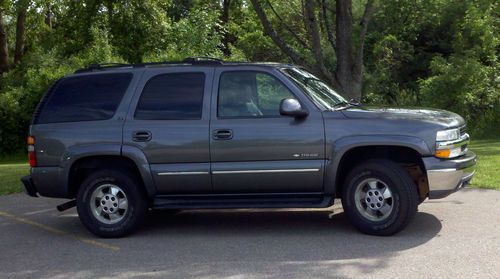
(247, 94)
(318, 91)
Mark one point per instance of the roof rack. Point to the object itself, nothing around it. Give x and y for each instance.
(190, 60)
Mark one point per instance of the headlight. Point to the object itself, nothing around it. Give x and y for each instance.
(445, 135)
(450, 144)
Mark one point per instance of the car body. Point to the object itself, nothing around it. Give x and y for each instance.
(212, 134)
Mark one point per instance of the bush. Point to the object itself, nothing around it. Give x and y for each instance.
(467, 87)
(24, 85)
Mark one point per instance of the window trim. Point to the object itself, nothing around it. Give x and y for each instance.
(51, 91)
(251, 117)
(173, 119)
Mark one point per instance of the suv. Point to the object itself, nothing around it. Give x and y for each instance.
(120, 139)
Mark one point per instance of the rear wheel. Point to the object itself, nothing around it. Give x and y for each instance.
(110, 203)
(379, 197)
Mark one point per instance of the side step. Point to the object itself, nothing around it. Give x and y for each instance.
(232, 201)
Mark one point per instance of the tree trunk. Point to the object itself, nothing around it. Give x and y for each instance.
(48, 16)
(110, 8)
(348, 75)
(224, 18)
(312, 28)
(20, 39)
(4, 50)
(271, 32)
(344, 69)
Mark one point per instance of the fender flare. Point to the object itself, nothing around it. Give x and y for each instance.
(341, 146)
(75, 153)
(140, 160)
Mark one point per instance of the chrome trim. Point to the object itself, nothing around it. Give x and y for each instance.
(183, 173)
(442, 170)
(264, 171)
(463, 140)
(449, 179)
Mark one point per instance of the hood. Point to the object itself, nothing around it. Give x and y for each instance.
(441, 117)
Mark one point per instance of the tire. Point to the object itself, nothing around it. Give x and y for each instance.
(123, 208)
(368, 205)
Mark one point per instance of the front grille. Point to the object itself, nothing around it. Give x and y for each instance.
(463, 130)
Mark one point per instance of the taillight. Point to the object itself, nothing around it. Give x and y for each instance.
(31, 151)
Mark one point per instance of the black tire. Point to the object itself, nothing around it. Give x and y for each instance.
(136, 203)
(404, 197)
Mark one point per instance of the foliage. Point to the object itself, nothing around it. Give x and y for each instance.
(435, 53)
(465, 86)
(194, 35)
(440, 54)
(23, 86)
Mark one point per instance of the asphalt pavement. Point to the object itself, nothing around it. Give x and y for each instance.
(456, 237)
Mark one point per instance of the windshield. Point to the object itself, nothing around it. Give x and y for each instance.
(319, 91)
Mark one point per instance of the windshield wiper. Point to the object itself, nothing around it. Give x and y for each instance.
(347, 104)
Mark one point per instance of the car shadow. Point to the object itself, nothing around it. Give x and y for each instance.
(280, 235)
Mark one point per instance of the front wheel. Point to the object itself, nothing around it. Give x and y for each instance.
(110, 203)
(379, 197)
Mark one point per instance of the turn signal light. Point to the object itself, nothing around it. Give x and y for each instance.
(443, 153)
(449, 152)
(31, 151)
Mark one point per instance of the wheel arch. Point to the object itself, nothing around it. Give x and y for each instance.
(79, 162)
(350, 151)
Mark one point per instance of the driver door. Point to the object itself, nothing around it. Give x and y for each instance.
(253, 148)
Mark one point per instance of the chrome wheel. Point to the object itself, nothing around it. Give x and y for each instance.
(109, 204)
(373, 199)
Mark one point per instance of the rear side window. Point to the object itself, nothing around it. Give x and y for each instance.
(84, 98)
(176, 96)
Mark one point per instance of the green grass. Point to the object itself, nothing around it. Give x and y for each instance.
(488, 163)
(13, 167)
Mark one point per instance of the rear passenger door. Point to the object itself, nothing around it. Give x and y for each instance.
(169, 120)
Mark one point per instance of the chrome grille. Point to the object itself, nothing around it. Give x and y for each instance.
(463, 130)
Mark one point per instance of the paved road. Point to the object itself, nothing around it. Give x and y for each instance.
(457, 237)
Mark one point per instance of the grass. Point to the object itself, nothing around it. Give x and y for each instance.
(488, 164)
(13, 167)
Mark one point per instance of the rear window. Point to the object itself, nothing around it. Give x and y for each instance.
(84, 98)
(177, 96)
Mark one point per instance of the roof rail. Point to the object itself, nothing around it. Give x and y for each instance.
(102, 66)
(203, 60)
(190, 60)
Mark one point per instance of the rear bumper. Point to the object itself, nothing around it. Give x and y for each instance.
(448, 176)
(45, 181)
(29, 187)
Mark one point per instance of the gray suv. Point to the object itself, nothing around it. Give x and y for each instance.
(120, 139)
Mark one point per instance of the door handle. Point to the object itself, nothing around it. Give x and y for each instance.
(141, 136)
(222, 134)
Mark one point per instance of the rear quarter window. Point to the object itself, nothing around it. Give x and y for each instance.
(83, 98)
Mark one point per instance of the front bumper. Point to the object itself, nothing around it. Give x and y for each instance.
(446, 176)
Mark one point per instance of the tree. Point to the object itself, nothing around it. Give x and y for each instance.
(224, 18)
(22, 7)
(4, 46)
(348, 73)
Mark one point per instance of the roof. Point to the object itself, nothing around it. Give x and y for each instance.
(191, 61)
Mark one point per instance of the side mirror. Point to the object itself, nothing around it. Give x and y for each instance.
(292, 107)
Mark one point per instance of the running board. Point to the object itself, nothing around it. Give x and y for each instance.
(232, 201)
